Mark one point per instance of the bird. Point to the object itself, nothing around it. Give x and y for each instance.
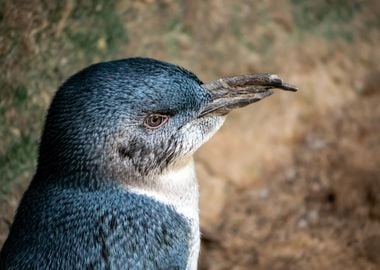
(115, 185)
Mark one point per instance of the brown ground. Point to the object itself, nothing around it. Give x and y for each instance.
(319, 210)
(292, 182)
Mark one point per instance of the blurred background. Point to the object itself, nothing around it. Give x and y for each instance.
(292, 182)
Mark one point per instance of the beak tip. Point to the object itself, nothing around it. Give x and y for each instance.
(289, 87)
(275, 80)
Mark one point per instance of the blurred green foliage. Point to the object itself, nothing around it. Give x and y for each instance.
(34, 65)
(106, 28)
(327, 18)
(18, 158)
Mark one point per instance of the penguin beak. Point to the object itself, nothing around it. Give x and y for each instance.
(239, 91)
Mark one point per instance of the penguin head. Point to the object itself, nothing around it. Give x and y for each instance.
(129, 120)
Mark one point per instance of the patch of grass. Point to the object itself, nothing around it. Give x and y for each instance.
(19, 158)
(101, 28)
(329, 19)
(372, 22)
(175, 24)
(260, 44)
(74, 36)
(235, 23)
(174, 29)
(20, 95)
(13, 95)
(17, 150)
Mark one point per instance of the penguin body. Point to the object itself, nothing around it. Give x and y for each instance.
(103, 196)
(115, 185)
(107, 229)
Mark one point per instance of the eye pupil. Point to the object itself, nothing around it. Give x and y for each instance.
(155, 120)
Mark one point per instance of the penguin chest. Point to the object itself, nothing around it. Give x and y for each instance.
(194, 245)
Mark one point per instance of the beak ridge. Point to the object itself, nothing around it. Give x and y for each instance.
(239, 91)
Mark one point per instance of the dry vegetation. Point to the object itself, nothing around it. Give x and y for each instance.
(292, 182)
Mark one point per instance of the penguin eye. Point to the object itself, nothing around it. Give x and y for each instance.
(155, 120)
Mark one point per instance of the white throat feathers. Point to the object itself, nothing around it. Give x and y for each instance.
(178, 187)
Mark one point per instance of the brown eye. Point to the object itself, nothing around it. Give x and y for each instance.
(156, 120)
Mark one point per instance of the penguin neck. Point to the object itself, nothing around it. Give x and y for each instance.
(177, 186)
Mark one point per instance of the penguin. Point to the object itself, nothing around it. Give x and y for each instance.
(115, 185)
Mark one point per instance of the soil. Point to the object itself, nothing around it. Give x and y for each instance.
(320, 210)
